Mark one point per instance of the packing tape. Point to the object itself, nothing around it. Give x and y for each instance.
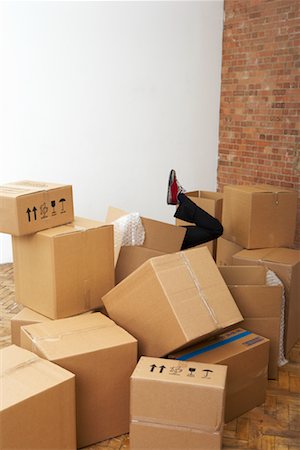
(192, 427)
(199, 289)
(57, 337)
(20, 366)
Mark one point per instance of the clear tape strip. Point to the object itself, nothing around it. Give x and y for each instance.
(203, 429)
(19, 366)
(59, 336)
(199, 289)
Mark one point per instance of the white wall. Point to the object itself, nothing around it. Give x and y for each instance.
(109, 96)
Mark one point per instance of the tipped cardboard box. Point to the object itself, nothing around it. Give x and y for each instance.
(65, 270)
(172, 300)
(30, 206)
(246, 356)
(261, 306)
(225, 251)
(102, 356)
(169, 396)
(37, 407)
(160, 238)
(259, 216)
(285, 263)
(212, 203)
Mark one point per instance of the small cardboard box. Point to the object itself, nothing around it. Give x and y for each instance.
(225, 251)
(25, 317)
(65, 270)
(260, 305)
(212, 203)
(285, 263)
(30, 206)
(171, 301)
(37, 407)
(246, 356)
(160, 238)
(259, 216)
(102, 356)
(184, 395)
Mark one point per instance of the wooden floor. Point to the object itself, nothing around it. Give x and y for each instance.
(275, 425)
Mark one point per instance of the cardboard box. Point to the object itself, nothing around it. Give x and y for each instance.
(260, 305)
(285, 263)
(65, 270)
(246, 356)
(172, 300)
(25, 317)
(160, 238)
(168, 393)
(102, 356)
(30, 206)
(212, 203)
(37, 408)
(225, 251)
(259, 216)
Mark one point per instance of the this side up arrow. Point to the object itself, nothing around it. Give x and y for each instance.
(34, 212)
(152, 367)
(28, 214)
(161, 368)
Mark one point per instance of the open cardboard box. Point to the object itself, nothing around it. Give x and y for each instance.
(285, 263)
(160, 238)
(261, 305)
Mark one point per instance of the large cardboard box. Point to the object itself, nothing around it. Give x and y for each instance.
(37, 407)
(225, 251)
(172, 300)
(30, 206)
(167, 394)
(65, 270)
(212, 203)
(259, 216)
(25, 317)
(261, 306)
(246, 356)
(285, 263)
(159, 238)
(102, 356)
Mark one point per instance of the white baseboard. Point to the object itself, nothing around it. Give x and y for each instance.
(5, 248)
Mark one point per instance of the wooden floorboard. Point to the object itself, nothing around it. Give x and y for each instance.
(275, 425)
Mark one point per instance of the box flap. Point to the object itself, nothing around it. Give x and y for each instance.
(79, 225)
(287, 256)
(161, 236)
(246, 275)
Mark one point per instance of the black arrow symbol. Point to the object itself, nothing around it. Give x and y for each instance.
(152, 367)
(28, 214)
(34, 212)
(161, 368)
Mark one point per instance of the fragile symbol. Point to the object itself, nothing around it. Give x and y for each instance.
(207, 372)
(43, 210)
(192, 371)
(29, 215)
(62, 201)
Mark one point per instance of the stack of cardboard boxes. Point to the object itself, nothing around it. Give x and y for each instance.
(177, 310)
(259, 230)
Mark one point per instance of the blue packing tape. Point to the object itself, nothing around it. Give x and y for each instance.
(213, 346)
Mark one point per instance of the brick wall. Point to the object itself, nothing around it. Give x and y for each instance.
(260, 95)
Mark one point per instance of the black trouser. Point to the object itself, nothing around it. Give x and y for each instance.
(206, 227)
